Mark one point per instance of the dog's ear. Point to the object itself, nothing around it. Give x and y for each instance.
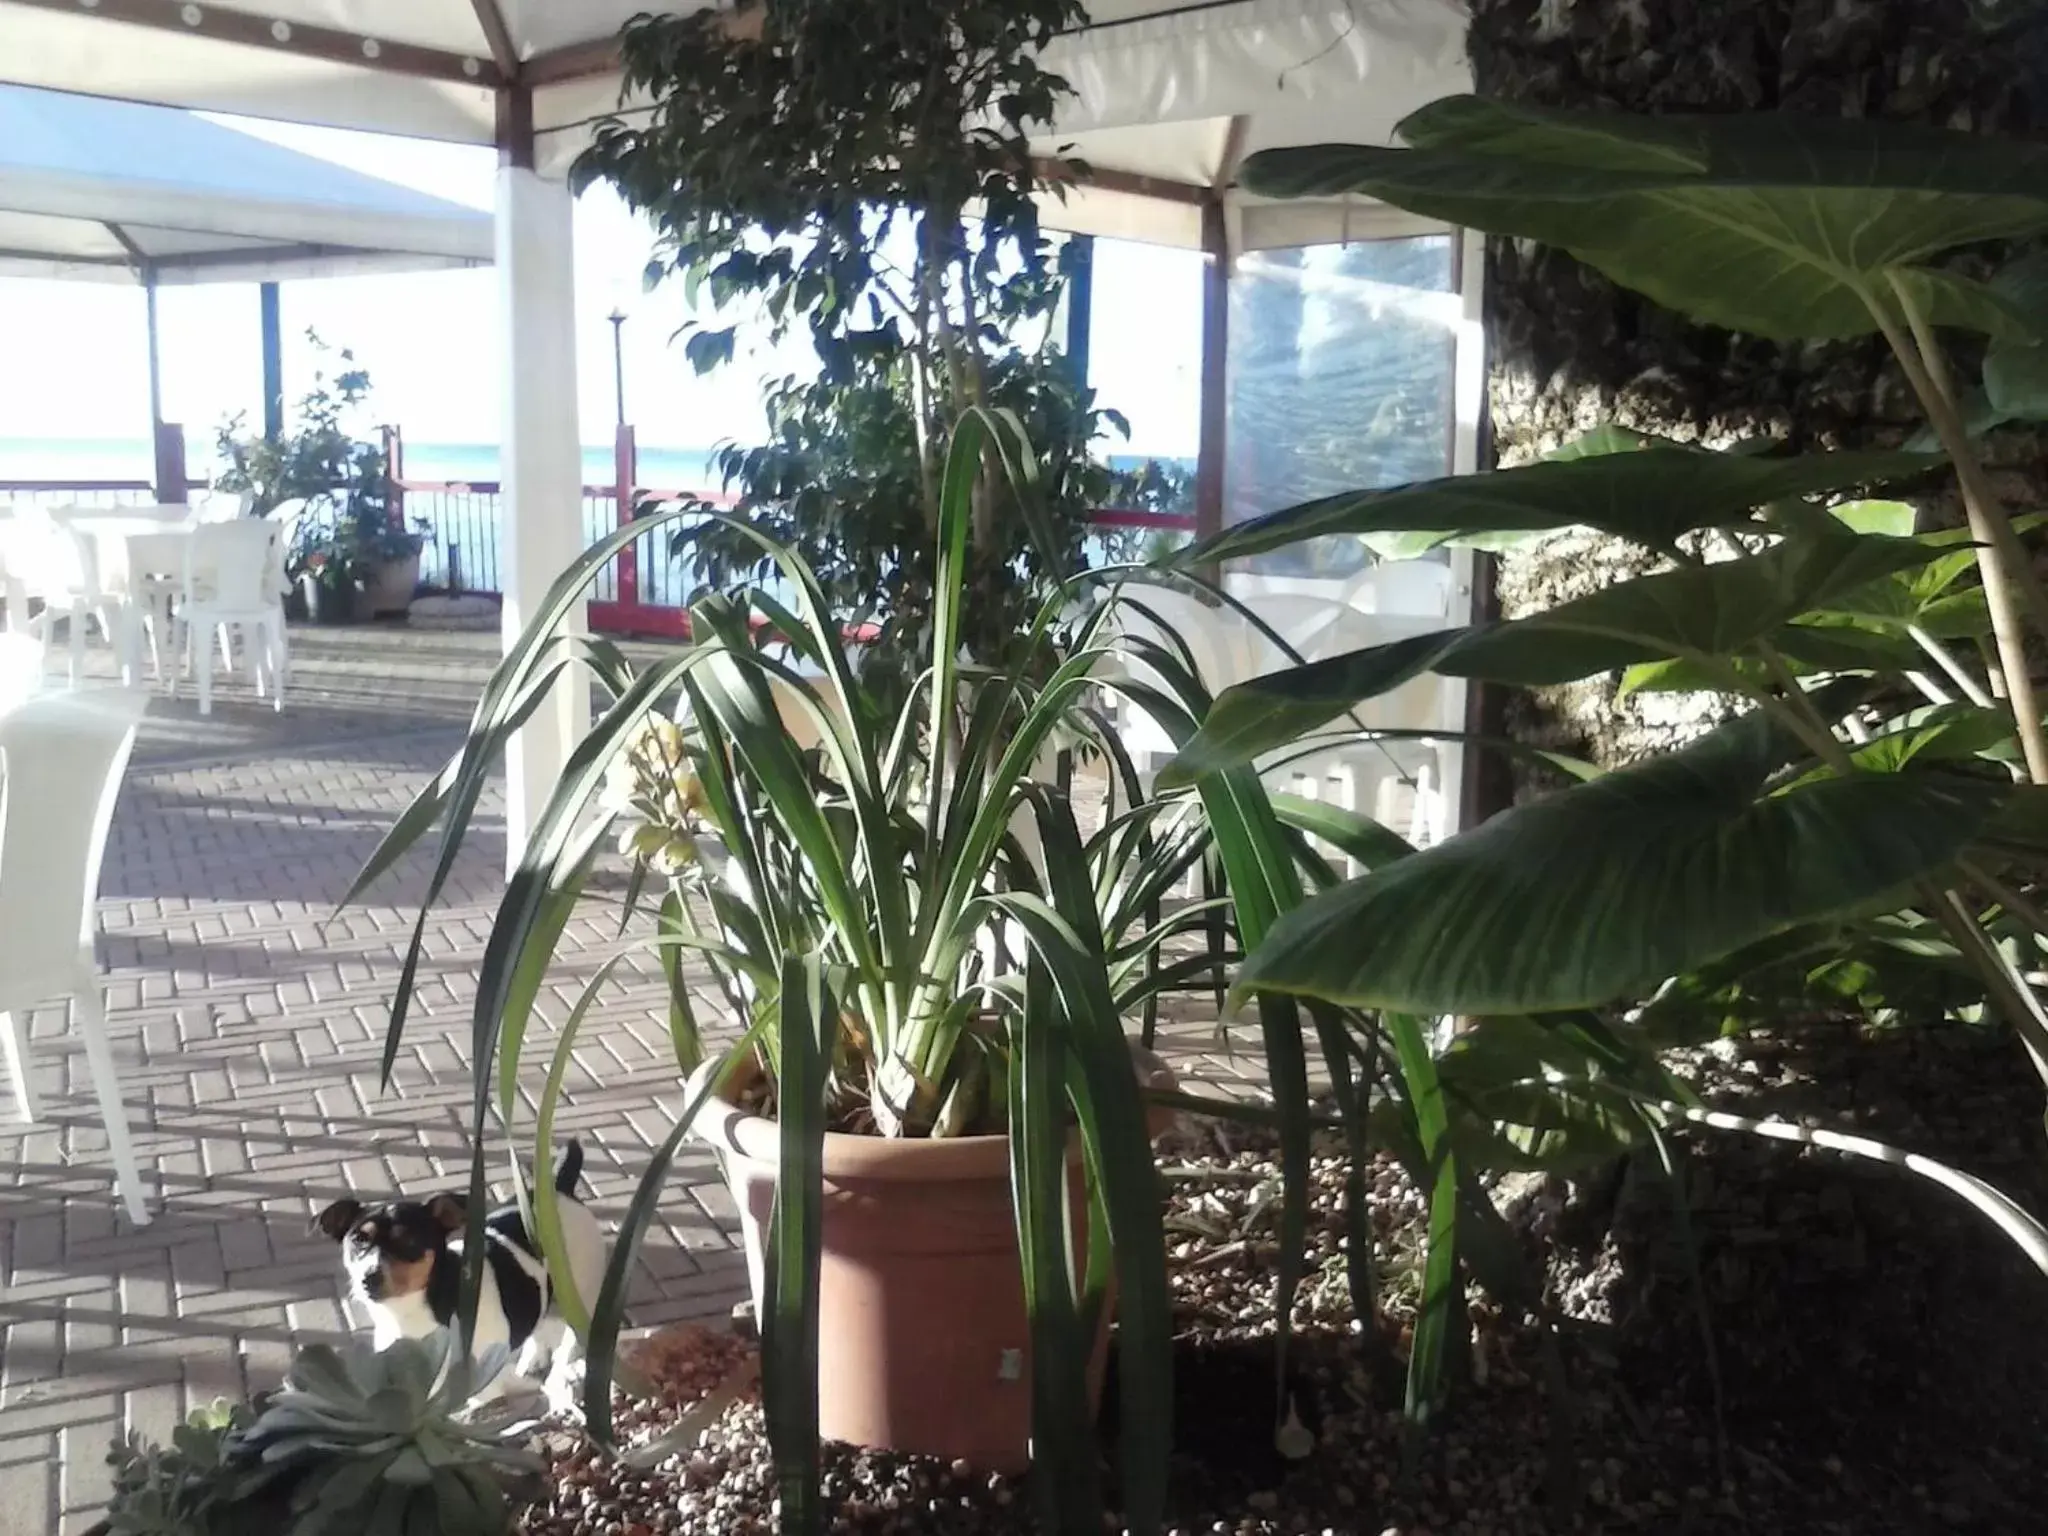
(337, 1219)
(451, 1211)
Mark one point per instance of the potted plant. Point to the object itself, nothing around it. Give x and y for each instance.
(931, 966)
(391, 553)
(326, 567)
(363, 560)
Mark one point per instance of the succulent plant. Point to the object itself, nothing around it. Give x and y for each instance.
(357, 1441)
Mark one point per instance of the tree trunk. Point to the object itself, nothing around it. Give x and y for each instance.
(1571, 350)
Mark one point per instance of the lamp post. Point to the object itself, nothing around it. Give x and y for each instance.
(618, 320)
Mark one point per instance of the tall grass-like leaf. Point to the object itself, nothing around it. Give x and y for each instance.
(789, 1322)
(686, 1038)
(609, 1314)
(515, 689)
(1603, 890)
(1069, 1498)
(1775, 224)
(546, 1200)
(1113, 1128)
(1353, 1094)
(1442, 1292)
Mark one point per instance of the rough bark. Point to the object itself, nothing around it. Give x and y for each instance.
(1571, 350)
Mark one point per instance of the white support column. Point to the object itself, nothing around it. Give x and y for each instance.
(1468, 398)
(541, 466)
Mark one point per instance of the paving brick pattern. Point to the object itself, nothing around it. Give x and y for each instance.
(248, 1020)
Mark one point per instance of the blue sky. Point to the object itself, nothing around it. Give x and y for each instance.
(72, 361)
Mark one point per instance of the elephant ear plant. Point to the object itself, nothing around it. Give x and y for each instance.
(916, 936)
(1882, 799)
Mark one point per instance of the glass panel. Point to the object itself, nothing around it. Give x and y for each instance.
(1340, 377)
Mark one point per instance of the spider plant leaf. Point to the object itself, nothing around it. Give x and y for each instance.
(607, 1316)
(1066, 1482)
(1442, 1295)
(789, 1319)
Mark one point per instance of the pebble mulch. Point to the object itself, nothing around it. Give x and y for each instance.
(1876, 1359)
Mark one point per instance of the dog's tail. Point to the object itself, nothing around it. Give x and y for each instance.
(570, 1169)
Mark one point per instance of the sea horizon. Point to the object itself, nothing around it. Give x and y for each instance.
(62, 459)
(131, 458)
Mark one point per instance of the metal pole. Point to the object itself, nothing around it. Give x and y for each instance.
(273, 364)
(1215, 373)
(1080, 305)
(618, 320)
(156, 382)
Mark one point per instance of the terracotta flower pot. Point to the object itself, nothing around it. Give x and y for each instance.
(923, 1342)
(391, 585)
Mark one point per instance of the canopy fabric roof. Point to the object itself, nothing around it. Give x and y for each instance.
(1167, 91)
(112, 190)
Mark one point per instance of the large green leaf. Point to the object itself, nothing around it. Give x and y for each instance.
(1650, 494)
(2016, 367)
(1702, 614)
(1770, 223)
(1602, 891)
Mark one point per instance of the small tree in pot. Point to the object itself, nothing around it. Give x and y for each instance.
(811, 167)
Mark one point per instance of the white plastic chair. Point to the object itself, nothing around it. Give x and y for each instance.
(1394, 782)
(222, 506)
(1418, 588)
(60, 565)
(21, 667)
(230, 582)
(62, 756)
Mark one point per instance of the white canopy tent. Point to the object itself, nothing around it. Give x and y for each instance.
(116, 191)
(1169, 97)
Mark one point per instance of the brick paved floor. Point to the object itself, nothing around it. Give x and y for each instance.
(247, 1022)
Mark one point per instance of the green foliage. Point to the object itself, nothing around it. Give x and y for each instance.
(1860, 840)
(810, 166)
(904, 882)
(1781, 225)
(357, 1443)
(345, 478)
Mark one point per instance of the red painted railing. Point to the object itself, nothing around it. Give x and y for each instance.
(642, 592)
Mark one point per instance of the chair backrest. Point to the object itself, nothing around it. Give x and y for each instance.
(1222, 646)
(233, 566)
(62, 755)
(21, 667)
(1415, 587)
(222, 506)
(52, 558)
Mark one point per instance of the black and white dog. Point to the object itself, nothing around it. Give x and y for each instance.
(404, 1260)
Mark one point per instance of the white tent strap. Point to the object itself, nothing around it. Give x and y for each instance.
(1242, 59)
